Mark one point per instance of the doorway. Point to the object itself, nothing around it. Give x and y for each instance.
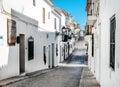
(49, 56)
(60, 54)
(68, 48)
(52, 55)
(64, 51)
(22, 54)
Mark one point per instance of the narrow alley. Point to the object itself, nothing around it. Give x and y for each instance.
(66, 75)
(59, 43)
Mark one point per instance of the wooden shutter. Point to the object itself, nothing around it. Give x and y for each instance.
(48, 15)
(55, 27)
(44, 15)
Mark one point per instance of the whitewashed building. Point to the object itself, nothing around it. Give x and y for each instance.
(66, 41)
(58, 31)
(31, 36)
(27, 36)
(106, 33)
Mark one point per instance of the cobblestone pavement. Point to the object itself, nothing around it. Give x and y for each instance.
(63, 76)
(88, 79)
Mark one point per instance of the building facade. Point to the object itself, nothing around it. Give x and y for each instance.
(66, 41)
(31, 37)
(28, 38)
(105, 37)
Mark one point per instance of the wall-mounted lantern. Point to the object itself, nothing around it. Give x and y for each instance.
(64, 30)
(30, 48)
(18, 39)
(64, 34)
(57, 33)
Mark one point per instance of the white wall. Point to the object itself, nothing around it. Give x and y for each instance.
(35, 12)
(30, 25)
(96, 58)
(29, 21)
(109, 77)
(88, 40)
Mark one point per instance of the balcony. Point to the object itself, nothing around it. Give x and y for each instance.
(91, 19)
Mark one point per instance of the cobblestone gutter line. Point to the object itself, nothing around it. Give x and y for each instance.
(29, 75)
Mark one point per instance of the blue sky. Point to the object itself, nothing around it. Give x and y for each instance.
(76, 8)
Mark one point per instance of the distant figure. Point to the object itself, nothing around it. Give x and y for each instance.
(86, 44)
(81, 35)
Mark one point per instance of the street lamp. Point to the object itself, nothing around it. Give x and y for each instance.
(57, 33)
(64, 34)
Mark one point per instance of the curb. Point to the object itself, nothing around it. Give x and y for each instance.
(26, 76)
(81, 79)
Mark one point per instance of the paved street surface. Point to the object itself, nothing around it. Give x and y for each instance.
(72, 73)
(63, 76)
(88, 79)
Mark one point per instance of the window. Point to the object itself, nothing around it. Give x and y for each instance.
(30, 48)
(44, 15)
(92, 44)
(11, 32)
(112, 41)
(55, 23)
(44, 54)
(34, 3)
(48, 15)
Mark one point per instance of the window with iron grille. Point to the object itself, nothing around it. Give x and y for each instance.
(30, 48)
(44, 54)
(112, 41)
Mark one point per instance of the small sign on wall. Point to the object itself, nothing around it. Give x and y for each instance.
(1, 40)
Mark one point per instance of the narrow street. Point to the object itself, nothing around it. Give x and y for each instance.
(66, 75)
(59, 43)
